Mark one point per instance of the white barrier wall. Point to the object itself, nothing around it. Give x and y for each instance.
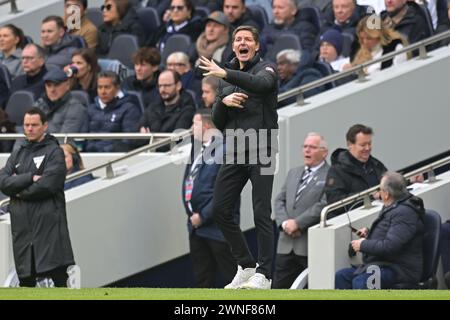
(327, 247)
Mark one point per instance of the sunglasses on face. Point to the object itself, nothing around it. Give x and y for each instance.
(178, 8)
(108, 7)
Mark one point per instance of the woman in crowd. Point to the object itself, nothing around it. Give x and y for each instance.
(119, 17)
(12, 40)
(84, 61)
(180, 18)
(376, 41)
(74, 163)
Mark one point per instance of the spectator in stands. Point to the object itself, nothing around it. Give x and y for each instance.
(12, 42)
(146, 66)
(344, 16)
(34, 179)
(293, 73)
(331, 48)
(4, 88)
(6, 126)
(86, 28)
(113, 111)
(353, 170)
(213, 43)
(407, 18)
(376, 42)
(33, 64)
(444, 247)
(57, 43)
(297, 207)
(119, 17)
(394, 242)
(443, 19)
(74, 163)
(237, 14)
(179, 19)
(85, 65)
(64, 112)
(209, 91)
(209, 250)
(179, 62)
(175, 109)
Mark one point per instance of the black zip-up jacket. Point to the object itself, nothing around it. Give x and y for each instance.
(348, 176)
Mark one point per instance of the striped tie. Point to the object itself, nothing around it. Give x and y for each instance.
(303, 182)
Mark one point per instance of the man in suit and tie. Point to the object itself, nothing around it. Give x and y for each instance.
(298, 207)
(209, 250)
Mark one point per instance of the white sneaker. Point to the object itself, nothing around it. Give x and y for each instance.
(242, 276)
(257, 281)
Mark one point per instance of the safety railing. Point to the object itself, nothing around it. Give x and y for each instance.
(359, 69)
(365, 195)
(13, 4)
(164, 139)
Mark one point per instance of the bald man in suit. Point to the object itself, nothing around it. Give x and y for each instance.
(298, 207)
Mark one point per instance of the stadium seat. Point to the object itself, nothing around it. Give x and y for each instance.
(149, 19)
(326, 70)
(19, 102)
(81, 96)
(347, 41)
(177, 42)
(138, 99)
(432, 231)
(95, 15)
(202, 12)
(284, 41)
(259, 15)
(122, 48)
(426, 14)
(312, 14)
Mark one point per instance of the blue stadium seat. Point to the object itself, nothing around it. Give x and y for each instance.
(202, 12)
(19, 102)
(284, 41)
(177, 42)
(95, 15)
(149, 19)
(122, 48)
(259, 15)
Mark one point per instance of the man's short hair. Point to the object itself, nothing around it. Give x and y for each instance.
(394, 184)
(179, 56)
(83, 3)
(291, 55)
(57, 19)
(213, 81)
(253, 30)
(206, 115)
(176, 76)
(355, 129)
(147, 55)
(40, 52)
(110, 75)
(36, 110)
(323, 143)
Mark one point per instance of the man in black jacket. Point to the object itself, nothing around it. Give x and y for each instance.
(34, 178)
(393, 246)
(353, 170)
(246, 108)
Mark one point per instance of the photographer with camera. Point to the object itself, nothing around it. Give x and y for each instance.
(393, 243)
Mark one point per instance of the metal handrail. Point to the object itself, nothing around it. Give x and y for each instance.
(14, 9)
(365, 195)
(96, 136)
(171, 139)
(359, 69)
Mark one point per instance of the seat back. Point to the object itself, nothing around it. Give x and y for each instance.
(259, 15)
(427, 16)
(149, 20)
(81, 96)
(313, 15)
(137, 99)
(347, 41)
(19, 102)
(95, 15)
(432, 221)
(284, 41)
(202, 12)
(175, 43)
(122, 48)
(325, 69)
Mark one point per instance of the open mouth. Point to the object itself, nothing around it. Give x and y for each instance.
(243, 50)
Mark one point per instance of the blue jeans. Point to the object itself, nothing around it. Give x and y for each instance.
(347, 279)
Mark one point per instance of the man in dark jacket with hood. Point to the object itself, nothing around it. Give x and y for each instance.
(394, 243)
(353, 170)
(112, 111)
(58, 44)
(34, 178)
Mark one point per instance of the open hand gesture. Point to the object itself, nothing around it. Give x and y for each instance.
(212, 68)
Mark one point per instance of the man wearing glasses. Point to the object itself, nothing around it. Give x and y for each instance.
(174, 110)
(33, 63)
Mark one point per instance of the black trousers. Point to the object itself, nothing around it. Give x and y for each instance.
(230, 181)
(58, 275)
(287, 268)
(208, 257)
